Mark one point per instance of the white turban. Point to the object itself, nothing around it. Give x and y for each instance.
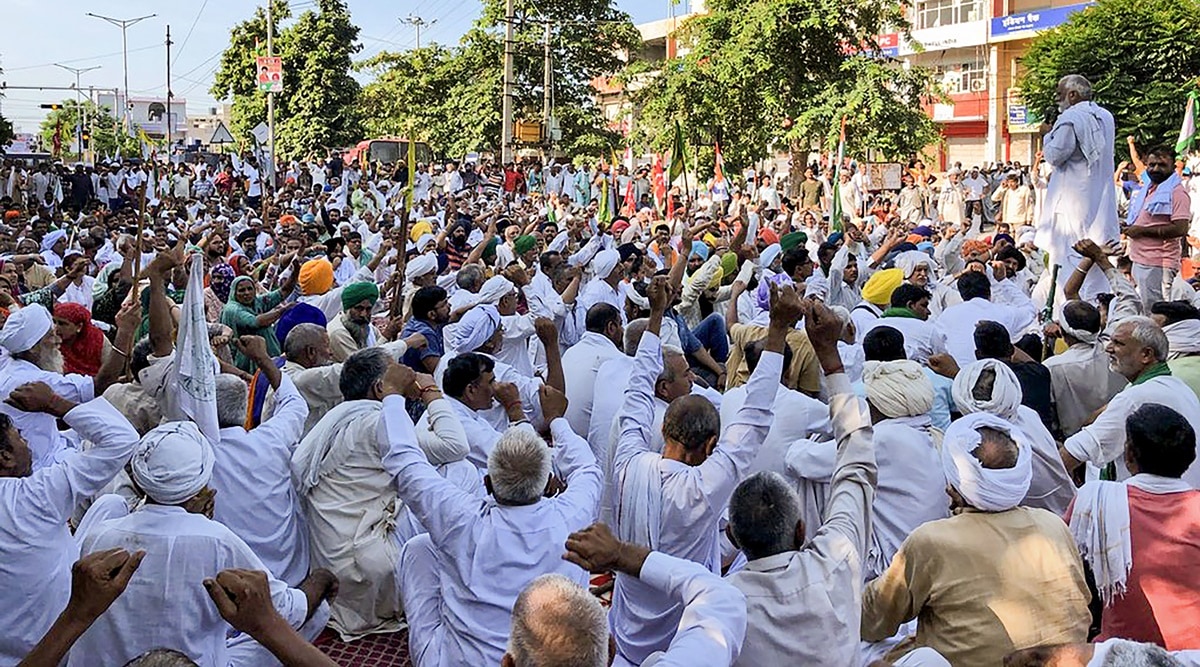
(909, 260)
(419, 266)
(475, 328)
(987, 489)
(898, 388)
(25, 328)
(494, 289)
(1006, 391)
(816, 287)
(1089, 337)
(51, 238)
(1184, 337)
(424, 241)
(173, 462)
(769, 254)
(604, 262)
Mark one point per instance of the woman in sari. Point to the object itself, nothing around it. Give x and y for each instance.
(83, 346)
(251, 314)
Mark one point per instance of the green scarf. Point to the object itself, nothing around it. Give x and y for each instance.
(900, 312)
(1157, 370)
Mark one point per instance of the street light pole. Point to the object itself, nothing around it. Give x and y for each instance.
(80, 112)
(124, 24)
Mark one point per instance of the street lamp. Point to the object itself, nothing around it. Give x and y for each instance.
(124, 24)
(80, 112)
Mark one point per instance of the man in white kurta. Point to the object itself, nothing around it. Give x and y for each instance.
(802, 605)
(1080, 199)
(459, 580)
(166, 603)
(957, 323)
(581, 363)
(691, 499)
(37, 550)
(253, 478)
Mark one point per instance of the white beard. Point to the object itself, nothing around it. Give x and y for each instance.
(51, 361)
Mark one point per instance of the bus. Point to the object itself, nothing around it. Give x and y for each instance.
(388, 150)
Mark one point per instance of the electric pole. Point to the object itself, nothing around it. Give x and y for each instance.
(547, 85)
(270, 168)
(169, 93)
(80, 111)
(124, 24)
(506, 129)
(417, 23)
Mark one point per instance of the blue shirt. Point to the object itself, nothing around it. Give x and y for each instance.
(435, 347)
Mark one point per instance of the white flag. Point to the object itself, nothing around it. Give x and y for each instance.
(194, 375)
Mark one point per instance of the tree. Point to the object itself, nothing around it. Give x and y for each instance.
(762, 73)
(1141, 57)
(317, 108)
(106, 136)
(6, 128)
(451, 96)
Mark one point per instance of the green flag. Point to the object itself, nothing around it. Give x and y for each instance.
(678, 156)
(1187, 133)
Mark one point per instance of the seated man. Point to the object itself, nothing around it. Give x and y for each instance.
(470, 383)
(672, 501)
(35, 505)
(167, 604)
(352, 330)
(1141, 537)
(458, 582)
(802, 595)
(251, 473)
(992, 342)
(994, 577)
(356, 525)
(909, 314)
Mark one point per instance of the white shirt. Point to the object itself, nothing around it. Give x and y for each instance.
(957, 324)
(974, 187)
(1103, 440)
(581, 362)
(713, 624)
(641, 621)
(803, 607)
(1081, 383)
(254, 186)
(921, 338)
(253, 478)
(489, 552)
(514, 351)
(797, 416)
(165, 603)
(38, 550)
(41, 430)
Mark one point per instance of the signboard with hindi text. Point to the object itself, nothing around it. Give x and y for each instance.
(269, 73)
(883, 176)
(1027, 24)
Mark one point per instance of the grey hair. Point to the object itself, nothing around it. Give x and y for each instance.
(469, 276)
(763, 514)
(1145, 331)
(232, 397)
(361, 371)
(302, 336)
(1077, 83)
(161, 657)
(633, 335)
(519, 466)
(556, 623)
(669, 352)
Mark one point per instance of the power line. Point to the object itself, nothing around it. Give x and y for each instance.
(76, 60)
(189, 32)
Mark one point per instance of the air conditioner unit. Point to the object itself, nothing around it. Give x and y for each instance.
(978, 86)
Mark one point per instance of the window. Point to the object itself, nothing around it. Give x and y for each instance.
(962, 77)
(938, 13)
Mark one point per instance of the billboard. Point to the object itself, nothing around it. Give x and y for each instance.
(269, 73)
(149, 113)
(1026, 24)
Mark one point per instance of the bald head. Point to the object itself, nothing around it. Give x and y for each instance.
(556, 623)
(308, 345)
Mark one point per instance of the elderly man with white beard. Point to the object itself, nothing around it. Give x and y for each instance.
(990, 386)
(30, 337)
(993, 578)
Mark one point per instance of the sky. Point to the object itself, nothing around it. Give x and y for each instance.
(35, 41)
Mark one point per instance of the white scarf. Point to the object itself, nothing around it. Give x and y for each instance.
(639, 512)
(1100, 526)
(317, 455)
(1184, 338)
(987, 489)
(1006, 391)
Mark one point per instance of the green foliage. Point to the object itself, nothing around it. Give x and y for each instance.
(6, 132)
(451, 96)
(106, 136)
(777, 72)
(1141, 56)
(318, 106)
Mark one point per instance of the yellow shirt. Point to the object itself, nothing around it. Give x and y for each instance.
(804, 374)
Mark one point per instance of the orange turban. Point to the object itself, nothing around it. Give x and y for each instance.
(316, 277)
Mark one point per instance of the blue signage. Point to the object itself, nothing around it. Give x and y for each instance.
(1033, 21)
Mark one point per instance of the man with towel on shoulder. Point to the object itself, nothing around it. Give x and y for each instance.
(352, 330)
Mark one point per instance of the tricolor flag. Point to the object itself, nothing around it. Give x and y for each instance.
(835, 217)
(194, 375)
(1187, 133)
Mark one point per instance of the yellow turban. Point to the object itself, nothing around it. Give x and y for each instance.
(316, 277)
(418, 230)
(880, 286)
